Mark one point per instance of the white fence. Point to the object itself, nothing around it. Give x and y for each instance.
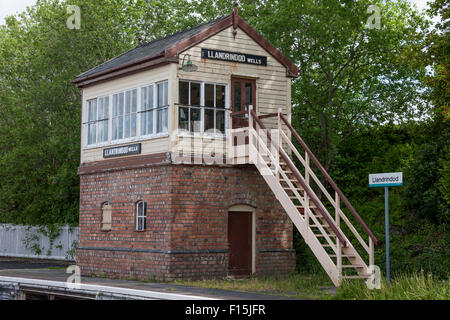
(26, 241)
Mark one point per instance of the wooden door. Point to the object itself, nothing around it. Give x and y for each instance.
(243, 94)
(240, 243)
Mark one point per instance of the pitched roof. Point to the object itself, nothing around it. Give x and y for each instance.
(149, 49)
(165, 50)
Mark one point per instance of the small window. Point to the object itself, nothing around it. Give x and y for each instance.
(141, 215)
(106, 216)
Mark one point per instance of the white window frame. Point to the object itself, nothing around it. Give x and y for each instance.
(143, 216)
(128, 139)
(138, 136)
(87, 122)
(202, 107)
(215, 109)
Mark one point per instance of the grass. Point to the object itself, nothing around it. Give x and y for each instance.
(295, 285)
(403, 287)
(316, 286)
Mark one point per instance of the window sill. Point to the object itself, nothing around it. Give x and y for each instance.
(125, 141)
(202, 135)
(139, 231)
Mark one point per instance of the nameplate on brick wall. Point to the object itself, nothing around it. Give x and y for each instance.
(122, 151)
(234, 57)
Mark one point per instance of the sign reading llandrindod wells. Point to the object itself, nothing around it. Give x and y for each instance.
(234, 57)
(122, 151)
(393, 179)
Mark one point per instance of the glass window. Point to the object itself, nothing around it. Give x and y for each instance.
(147, 107)
(209, 95)
(124, 115)
(208, 118)
(184, 93)
(92, 118)
(141, 215)
(184, 118)
(195, 94)
(195, 120)
(163, 102)
(97, 120)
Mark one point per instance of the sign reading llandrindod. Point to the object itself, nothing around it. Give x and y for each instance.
(392, 179)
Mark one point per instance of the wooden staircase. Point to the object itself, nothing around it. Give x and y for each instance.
(318, 219)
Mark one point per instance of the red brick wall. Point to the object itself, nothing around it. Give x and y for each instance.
(187, 215)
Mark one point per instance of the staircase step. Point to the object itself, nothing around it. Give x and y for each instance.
(356, 266)
(319, 235)
(343, 256)
(316, 226)
(288, 188)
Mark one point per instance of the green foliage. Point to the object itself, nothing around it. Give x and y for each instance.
(426, 199)
(418, 212)
(40, 107)
(354, 88)
(403, 287)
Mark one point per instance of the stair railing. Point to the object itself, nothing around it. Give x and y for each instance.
(253, 117)
(339, 214)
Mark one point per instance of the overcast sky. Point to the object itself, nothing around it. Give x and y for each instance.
(10, 7)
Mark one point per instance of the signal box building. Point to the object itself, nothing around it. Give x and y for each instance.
(168, 189)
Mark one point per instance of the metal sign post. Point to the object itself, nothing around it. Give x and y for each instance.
(386, 221)
(386, 180)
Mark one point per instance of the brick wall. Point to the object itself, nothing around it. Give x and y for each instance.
(187, 215)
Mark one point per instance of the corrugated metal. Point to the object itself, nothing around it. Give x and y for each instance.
(22, 241)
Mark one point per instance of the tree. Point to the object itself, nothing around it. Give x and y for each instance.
(40, 106)
(351, 76)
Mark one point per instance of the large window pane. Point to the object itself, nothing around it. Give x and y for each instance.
(183, 118)
(118, 111)
(220, 121)
(146, 110)
(92, 132)
(195, 120)
(184, 93)
(166, 93)
(92, 110)
(162, 94)
(92, 117)
(209, 95)
(121, 97)
(130, 114)
(102, 120)
(162, 120)
(195, 94)
(162, 113)
(209, 120)
(220, 96)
